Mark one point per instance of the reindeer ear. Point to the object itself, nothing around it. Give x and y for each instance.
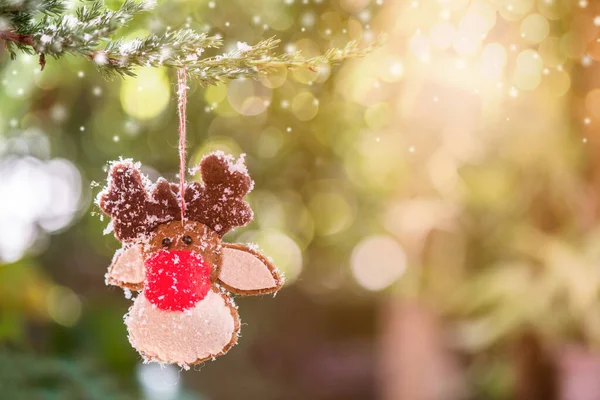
(246, 272)
(127, 268)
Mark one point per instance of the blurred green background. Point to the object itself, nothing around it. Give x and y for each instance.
(434, 206)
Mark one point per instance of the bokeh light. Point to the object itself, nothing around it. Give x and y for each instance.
(147, 95)
(377, 262)
(248, 97)
(44, 197)
(535, 28)
(331, 212)
(280, 247)
(64, 306)
(159, 382)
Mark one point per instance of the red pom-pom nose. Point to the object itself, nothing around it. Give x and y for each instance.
(176, 279)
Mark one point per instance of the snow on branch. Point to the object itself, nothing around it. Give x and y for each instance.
(45, 28)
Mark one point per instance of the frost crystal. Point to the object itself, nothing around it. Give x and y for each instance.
(243, 46)
(253, 247)
(100, 59)
(108, 229)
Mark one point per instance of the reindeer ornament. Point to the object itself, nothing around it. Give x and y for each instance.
(177, 260)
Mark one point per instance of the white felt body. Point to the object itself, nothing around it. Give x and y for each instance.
(128, 267)
(243, 271)
(183, 337)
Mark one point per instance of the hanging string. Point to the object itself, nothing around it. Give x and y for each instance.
(181, 107)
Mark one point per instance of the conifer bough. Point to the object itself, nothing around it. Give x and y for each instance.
(45, 28)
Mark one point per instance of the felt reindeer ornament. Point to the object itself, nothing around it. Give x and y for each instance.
(174, 255)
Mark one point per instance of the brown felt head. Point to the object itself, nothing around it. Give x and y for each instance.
(137, 208)
(191, 236)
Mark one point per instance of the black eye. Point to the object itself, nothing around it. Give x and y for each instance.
(166, 242)
(187, 240)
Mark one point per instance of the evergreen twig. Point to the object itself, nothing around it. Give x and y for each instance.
(44, 27)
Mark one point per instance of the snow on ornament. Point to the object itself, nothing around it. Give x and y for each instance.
(184, 313)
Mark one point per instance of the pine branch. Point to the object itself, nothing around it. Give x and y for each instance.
(82, 33)
(172, 49)
(253, 61)
(32, 6)
(20, 13)
(43, 27)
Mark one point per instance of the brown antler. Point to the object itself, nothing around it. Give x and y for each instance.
(126, 201)
(218, 202)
